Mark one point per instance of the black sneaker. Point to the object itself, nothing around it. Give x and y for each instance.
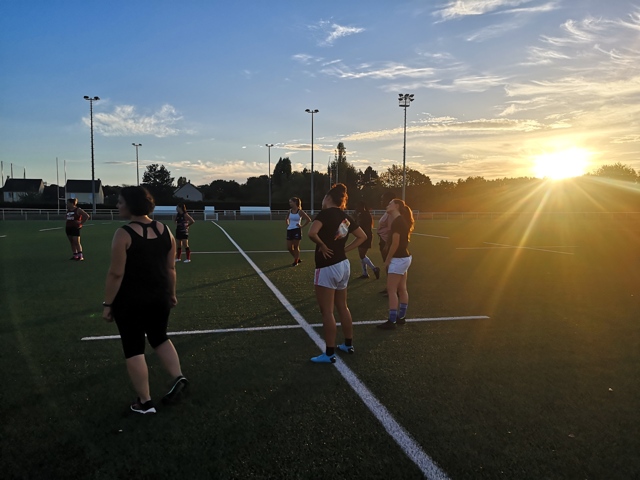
(401, 321)
(376, 272)
(388, 325)
(176, 392)
(363, 277)
(144, 408)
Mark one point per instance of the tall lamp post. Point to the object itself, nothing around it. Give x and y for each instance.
(137, 167)
(312, 112)
(93, 170)
(269, 145)
(405, 100)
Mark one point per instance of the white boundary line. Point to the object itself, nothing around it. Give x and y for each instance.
(425, 235)
(529, 248)
(287, 327)
(406, 442)
(249, 251)
(47, 229)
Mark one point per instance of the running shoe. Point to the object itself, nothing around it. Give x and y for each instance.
(324, 358)
(177, 260)
(177, 391)
(187, 261)
(144, 408)
(376, 272)
(363, 276)
(342, 347)
(401, 321)
(388, 325)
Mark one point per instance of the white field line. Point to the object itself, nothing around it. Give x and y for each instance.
(529, 248)
(406, 442)
(288, 327)
(250, 251)
(425, 235)
(47, 229)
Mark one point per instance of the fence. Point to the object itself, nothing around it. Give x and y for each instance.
(108, 214)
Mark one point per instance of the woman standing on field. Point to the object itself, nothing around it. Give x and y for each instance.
(183, 222)
(365, 221)
(329, 231)
(140, 291)
(76, 217)
(398, 261)
(294, 220)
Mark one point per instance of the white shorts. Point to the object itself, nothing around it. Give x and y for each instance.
(399, 266)
(335, 277)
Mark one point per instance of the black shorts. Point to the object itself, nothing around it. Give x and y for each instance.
(72, 231)
(135, 320)
(182, 235)
(294, 234)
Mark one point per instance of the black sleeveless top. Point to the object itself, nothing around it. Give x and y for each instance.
(145, 273)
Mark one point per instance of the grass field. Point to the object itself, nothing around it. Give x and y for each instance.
(546, 387)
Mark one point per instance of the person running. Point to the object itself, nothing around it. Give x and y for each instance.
(329, 231)
(183, 222)
(365, 221)
(295, 218)
(383, 229)
(398, 262)
(140, 291)
(76, 217)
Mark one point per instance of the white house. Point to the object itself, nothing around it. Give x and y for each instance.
(81, 190)
(16, 188)
(188, 192)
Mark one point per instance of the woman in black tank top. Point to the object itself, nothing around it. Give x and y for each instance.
(140, 292)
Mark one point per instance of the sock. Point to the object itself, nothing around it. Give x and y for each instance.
(348, 342)
(402, 311)
(188, 250)
(368, 261)
(79, 254)
(364, 267)
(330, 351)
(178, 252)
(393, 315)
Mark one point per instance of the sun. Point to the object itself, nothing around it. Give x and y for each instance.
(568, 163)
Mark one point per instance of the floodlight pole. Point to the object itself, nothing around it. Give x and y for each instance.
(93, 174)
(405, 100)
(269, 145)
(137, 167)
(312, 112)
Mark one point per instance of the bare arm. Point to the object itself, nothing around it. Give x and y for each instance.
(84, 216)
(313, 236)
(190, 220)
(119, 245)
(306, 217)
(171, 271)
(286, 220)
(360, 238)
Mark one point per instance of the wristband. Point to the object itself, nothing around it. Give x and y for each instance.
(105, 304)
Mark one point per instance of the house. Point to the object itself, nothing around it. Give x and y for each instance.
(188, 192)
(81, 190)
(16, 188)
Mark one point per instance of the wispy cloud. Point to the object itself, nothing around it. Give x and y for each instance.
(125, 121)
(330, 31)
(463, 8)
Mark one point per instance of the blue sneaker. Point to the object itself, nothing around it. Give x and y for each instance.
(346, 349)
(324, 358)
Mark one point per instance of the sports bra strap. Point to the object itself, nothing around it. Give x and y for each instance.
(145, 226)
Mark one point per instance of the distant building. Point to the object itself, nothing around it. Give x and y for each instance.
(188, 192)
(16, 188)
(81, 190)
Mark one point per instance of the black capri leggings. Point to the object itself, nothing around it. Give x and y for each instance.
(134, 321)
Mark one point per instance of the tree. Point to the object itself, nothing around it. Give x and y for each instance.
(617, 171)
(281, 172)
(393, 177)
(182, 181)
(159, 182)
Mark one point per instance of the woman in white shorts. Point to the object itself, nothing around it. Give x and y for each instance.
(398, 262)
(329, 232)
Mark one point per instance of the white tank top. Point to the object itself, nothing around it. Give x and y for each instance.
(294, 220)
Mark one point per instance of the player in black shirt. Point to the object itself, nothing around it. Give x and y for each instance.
(397, 262)
(329, 232)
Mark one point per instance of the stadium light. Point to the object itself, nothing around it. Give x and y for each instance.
(405, 100)
(93, 174)
(137, 167)
(269, 145)
(312, 112)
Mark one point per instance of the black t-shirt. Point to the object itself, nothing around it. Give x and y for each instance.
(336, 226)
(399, 226)
(365, 221)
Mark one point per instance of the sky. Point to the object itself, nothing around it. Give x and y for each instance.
(502, 88)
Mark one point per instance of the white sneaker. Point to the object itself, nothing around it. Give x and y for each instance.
(177, 260)
(187, 261)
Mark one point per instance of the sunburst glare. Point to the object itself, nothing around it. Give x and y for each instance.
(568, 163)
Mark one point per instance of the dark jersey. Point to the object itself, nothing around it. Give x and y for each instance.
(146, 277)
(336, 226)
(73, 218)
(182, 224)
(399, 226)
(365, 222)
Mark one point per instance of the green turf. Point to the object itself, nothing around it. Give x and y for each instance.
(547, 387)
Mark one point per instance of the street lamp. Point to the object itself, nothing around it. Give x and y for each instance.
(269, 145)
(312, 112)
(93, 175)
(405, 100)
(137, 168)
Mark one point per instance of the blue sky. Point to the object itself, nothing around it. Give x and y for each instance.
(503, 88)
